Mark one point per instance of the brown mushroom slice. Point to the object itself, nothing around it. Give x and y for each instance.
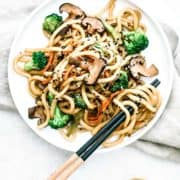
(95, 67)
(37, 112)
(74, 61)
(138, 67)
(74, 11)
(95, 70)
(64, 31)
(93, 24)
(144, 71)
(78, 61)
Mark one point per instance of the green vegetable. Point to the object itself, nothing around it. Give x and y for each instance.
(97, 45)
(52, 22)
(120, 83)
(135, 41)
(100, 48)
(79, 102)
(50, 97)
(60, 119)
(73, 127)
(115, 34)
(38, 61)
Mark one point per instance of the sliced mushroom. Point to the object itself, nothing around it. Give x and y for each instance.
(78, 61)
(144, 71)
(138, 67)
(95, 66)
(136, 59)
(95, 70)
(64, 31)
(93, 24)
(74, 11)
(37, 112)
(74, 60)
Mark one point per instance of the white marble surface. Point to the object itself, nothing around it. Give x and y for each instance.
(25, 156)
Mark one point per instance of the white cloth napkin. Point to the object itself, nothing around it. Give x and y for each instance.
(164, 138)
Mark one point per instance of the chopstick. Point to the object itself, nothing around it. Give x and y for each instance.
(64, 171)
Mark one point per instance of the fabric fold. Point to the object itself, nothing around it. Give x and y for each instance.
(164, 138)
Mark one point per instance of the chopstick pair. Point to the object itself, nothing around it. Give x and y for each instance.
(92, 144)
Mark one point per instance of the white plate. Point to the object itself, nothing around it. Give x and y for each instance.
(30, 35)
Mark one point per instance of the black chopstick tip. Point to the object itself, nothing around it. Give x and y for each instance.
(156, 83)
(93, 143)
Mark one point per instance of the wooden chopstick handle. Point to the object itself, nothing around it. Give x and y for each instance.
(64, 171)
(70, 169)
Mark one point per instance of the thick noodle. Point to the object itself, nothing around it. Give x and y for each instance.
(63, 79)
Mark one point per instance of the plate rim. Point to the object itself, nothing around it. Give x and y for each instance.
(143, 131)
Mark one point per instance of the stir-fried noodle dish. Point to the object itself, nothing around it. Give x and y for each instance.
(91, 68)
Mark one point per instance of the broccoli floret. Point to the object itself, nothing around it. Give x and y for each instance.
(120, 83)
(50, 97)
(52, 22)
(79, 102)
(60, 119)
(135, 41)
(38, 61)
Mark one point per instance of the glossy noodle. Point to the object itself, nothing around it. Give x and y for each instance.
(90, 75)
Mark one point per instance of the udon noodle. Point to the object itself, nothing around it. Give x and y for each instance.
(74, 53)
